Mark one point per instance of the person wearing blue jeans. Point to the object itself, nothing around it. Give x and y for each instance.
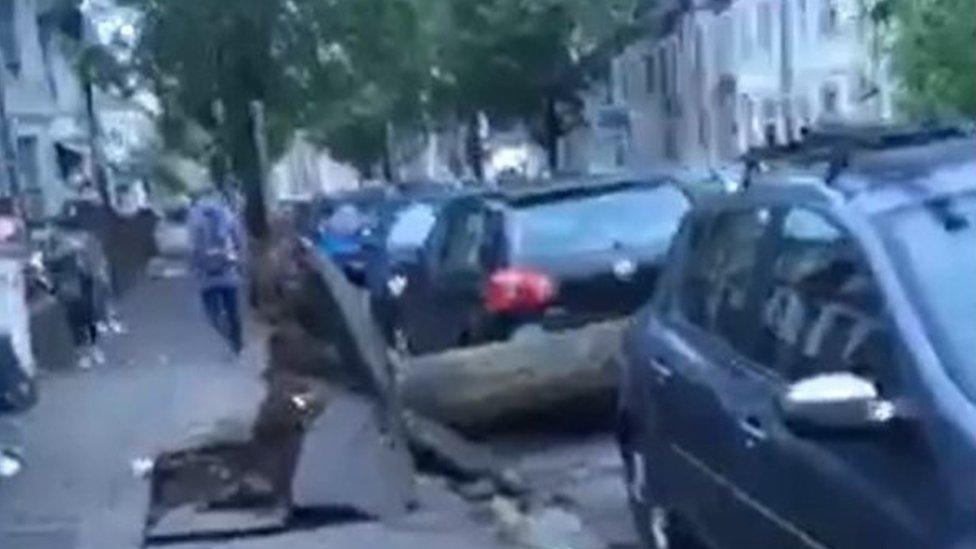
(218, 245)
(221, 306)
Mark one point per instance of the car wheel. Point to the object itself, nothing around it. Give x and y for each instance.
(658, 527)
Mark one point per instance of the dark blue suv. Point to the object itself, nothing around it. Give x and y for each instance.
(805, 375)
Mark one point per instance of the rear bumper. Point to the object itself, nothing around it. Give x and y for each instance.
(534, 372)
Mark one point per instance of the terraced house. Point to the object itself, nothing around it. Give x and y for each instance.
(715, 78)
(44, 100)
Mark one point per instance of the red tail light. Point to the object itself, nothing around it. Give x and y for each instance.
(518, 291)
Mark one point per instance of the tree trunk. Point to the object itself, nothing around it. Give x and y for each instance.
(388, 144)
(552, 134)
(246, 165)
(98, 172)
(475, 148)
(533, 374)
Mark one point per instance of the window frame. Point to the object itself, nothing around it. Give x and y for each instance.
(764, 27)
(650, 73)
(780, 214)
(463, 211)
(676, 305)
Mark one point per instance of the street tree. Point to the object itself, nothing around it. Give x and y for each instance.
(933, 54)
(527, 60)
(343, 70)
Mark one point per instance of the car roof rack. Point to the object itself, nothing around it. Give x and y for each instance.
(836, 144)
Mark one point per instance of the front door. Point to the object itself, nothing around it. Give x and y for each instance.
(824, 313)
(456, 275)
(716, 418)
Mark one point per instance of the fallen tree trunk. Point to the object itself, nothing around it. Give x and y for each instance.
(535, 373)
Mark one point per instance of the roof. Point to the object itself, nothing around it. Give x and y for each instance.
(870, 165)
(525, 195)
(873, 172)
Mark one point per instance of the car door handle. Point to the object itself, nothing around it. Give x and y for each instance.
(753, 429)
(661, 370)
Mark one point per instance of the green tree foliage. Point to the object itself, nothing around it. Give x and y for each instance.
(341, 69)
(527, 60)
(347, 71)
(934, 54)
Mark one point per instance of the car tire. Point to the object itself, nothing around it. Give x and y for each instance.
(658, 527)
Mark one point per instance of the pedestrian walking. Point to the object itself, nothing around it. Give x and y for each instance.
(218, 249)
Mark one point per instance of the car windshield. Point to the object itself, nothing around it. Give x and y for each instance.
(411, 226)
(936, 250)
(633, 218)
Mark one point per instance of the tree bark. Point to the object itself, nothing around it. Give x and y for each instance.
(475, 148)
(533, 374)
(246, 165)
(100, 178)
(552, 134)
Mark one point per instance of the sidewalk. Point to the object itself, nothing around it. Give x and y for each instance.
(165, 379)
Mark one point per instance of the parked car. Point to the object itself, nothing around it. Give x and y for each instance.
(557, 256)
(172, 232)
(395, 249)
(805, 374)
(344, 226)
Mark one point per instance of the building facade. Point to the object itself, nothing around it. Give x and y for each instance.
(44, 102)
(721, 77)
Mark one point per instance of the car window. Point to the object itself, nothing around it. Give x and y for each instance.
(461, 250)
(822, 311)
(934, 249)
(411, 226)
(633, 218)
(715, 293)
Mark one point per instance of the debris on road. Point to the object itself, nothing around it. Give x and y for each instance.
(548, 527)
(478, 490)
(187, 522)
(440, 450)
(328, 436)
(347, 462)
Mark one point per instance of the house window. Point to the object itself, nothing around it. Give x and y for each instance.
(27, 161)
(724, 46)
(8, 35)
(673, 68)
(829, 17)
(649, 73)
(745, 35)
(623, 81)
(828, 99)
(764, 27)
(699, 51)
(662, 65)
(703, 133)
(802, 18)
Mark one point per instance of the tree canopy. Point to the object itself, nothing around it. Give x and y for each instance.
(346, 71)
(934, 54)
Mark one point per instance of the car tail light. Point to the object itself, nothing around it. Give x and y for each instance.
(519, 291)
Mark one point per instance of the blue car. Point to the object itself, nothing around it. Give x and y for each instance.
(805, 375)
(345, 227)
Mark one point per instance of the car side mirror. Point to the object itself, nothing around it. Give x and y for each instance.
(839, 401)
